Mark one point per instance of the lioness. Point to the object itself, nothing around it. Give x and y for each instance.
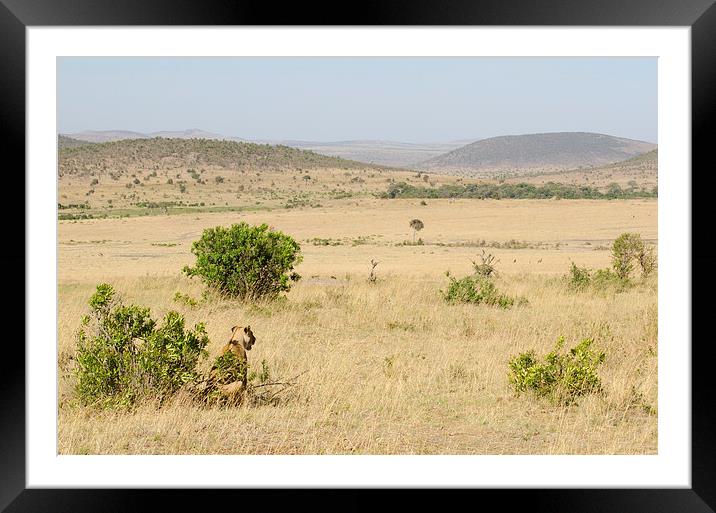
(242, 340)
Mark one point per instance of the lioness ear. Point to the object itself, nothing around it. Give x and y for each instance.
(233, 329)
(246, 329)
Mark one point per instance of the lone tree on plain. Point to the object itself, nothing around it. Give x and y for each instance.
(416, 225)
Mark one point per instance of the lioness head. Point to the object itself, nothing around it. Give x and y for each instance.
(244, 335)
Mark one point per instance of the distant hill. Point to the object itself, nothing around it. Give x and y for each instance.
(99, 136)
(160, 153)
(68, 142)
(119, 135)
(526, 153)
(386, 153)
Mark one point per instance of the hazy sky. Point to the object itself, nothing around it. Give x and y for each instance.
(412, 99)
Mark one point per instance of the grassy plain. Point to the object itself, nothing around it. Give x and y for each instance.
(388, 368)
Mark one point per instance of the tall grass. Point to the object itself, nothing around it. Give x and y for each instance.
(390, 368)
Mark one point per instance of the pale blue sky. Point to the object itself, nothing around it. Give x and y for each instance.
(413, 99)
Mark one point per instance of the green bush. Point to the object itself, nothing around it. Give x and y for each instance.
(604, 279)
(185, 299)
(478, 290)
(560, 377)
(578, 278)
(123, 355)
(246, 262)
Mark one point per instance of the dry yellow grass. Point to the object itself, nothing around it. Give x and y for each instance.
(389, 367)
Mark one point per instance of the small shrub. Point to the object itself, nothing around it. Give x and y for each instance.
(246, 262)
(560, 377)
(603, 279)
(578, 278)
(123, 355)
(477, 290)
(647, 261)
(185, 299)
(262, 376)
(486, 266)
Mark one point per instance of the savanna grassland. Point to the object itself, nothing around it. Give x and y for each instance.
(380, 368)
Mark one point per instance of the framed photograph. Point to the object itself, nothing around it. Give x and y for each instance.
(416, 249)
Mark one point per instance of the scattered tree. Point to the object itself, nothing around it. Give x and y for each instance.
(629, 248)
(416, 225)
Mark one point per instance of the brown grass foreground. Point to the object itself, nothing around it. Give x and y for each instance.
(389, 367)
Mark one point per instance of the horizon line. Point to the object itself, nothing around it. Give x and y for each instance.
(293, 139)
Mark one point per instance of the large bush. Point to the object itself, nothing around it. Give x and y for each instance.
(560, 377)
(124, 355)
(246, 262)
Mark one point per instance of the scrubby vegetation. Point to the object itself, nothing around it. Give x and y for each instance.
(559, 377)
(172, 153)
(476, 289)
(384, 351)
(479, 288)
(513, 191)
(246, 262)
(628, 250)
(124, 355)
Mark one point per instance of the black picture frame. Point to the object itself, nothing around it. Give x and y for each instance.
(700, 15)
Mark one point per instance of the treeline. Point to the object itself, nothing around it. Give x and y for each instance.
(515, 191)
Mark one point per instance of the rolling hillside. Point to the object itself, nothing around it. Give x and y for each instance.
(119, 157)
(120, 135)
(639, 171)
(518, 154)
(378, 152)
